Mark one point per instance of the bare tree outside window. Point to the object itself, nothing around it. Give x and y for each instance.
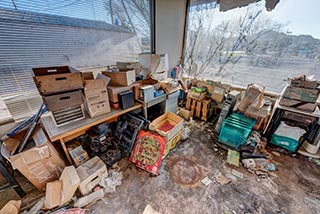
(251, 44)
(133, 15)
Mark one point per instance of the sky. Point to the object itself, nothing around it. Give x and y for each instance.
(299, 16)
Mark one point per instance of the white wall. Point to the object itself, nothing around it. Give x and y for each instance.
(170, 19)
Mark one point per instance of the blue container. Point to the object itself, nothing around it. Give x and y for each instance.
(235, 130)
(285, 142)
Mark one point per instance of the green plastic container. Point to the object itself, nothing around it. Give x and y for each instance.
(285, 142)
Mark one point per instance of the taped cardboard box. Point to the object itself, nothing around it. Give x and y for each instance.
(90, 174)
(121, 78)
(96, 97)
(52, 80)
(40, 164)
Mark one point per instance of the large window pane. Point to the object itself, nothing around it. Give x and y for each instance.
(264, 42)
(79, 33)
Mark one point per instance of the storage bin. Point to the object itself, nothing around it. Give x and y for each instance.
(168, 118)
(285, 142)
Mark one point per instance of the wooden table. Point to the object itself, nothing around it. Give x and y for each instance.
(72, 130)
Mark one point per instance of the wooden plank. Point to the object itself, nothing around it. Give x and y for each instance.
(57, 133)
(194, 103)
(198, 109)
(188, 104)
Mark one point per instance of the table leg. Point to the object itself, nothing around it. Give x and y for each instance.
(65, 151)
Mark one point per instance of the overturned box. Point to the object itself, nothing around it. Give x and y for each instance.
(40, 164)
(52, 80)
(97, 100)
(90, 174)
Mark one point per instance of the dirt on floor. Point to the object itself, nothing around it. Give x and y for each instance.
(178, 190)
(292, 189)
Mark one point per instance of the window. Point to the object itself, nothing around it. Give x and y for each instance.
(80, 33)
(262, 42)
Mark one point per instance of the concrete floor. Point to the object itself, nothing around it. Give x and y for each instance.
(286, 191)
(295, 180)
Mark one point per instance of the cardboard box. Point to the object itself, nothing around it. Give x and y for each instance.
(113, 92)
(253, 94)
(154, 65)
(302, 94)
(70, 182)
(137, 85)
(63, 101)
(169, 85)
(298, 104)
(171, 144)
(216, 90)
(90, 174)
(96, 96)
(77, 153)
(52, 80)
(186, 114)
(169, 119)
(39, 137)
(53, 194)
(40, 164)
(121, 78)
(304, 83)
(124, 66)
(196, 95)
(12, 207)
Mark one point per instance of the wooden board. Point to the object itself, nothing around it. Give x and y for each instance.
(198, 109)
(188, 104)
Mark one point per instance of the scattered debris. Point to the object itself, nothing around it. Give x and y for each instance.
(12, 207)
(206, 181)
(236, 173)
(38, 206)
(314, 202)
(150, 210)
(222, 179)
(186, 133)
(271, 185)
(259, 164)
(72, 211)
(89, 199)
(276, 153)
(233, 157)
(112, 181)
(317, 161)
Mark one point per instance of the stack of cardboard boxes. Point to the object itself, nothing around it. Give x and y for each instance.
(61, 91)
